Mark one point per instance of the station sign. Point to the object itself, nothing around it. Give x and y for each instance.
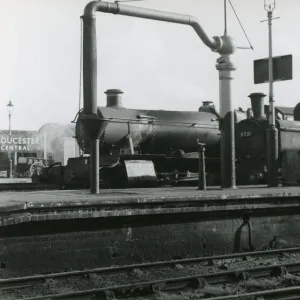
(282, 69)
(16, 143)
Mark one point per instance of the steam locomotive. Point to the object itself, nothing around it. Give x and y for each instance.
(159, 145)
(251, 143)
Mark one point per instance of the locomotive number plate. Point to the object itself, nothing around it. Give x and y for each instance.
(246, 134)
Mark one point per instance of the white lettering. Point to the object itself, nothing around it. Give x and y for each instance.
(9, 143)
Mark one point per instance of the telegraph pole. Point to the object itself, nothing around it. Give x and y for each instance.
(272, 132)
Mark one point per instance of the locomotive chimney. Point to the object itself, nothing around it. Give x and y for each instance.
(114, 98)
(257, 104)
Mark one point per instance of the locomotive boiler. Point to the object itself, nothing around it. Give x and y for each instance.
(134, 131)
(166, 138)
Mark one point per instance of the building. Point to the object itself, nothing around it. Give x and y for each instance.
(36, 149)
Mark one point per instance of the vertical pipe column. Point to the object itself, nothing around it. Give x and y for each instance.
(10, 166)
(89, 65)
(94, 166)
(15, 163)
(228, 179)
(130, 144)
(272, 132)
(9, 152)
(90, 96)
(202, 175)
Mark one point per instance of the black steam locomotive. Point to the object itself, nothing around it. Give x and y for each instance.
(160, 146)
(157, 144)
(251, 143)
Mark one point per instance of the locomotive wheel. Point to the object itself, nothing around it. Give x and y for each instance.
(36, 168)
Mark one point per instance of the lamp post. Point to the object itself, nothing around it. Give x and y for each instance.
(272, 132)
(10, 108)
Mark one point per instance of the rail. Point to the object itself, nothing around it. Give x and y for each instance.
(180, 283)
(18, 282)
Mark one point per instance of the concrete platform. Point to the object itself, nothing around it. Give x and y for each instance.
(113, 202)
(57, 230)
(146, 194)
(19, 207)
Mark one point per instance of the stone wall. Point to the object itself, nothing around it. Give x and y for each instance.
(42, 247)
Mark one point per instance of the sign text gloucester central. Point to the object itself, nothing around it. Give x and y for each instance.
(17, 144)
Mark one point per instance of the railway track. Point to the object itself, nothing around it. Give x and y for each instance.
(189, 282)
(164, 285)
(209, 260)
(289, 293)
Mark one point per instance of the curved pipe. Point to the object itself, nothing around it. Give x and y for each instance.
(223, 44)
(152, 14)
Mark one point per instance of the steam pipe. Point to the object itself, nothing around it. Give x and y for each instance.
(89, 65)
(223, 45)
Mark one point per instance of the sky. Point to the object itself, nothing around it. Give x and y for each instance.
(157, 65)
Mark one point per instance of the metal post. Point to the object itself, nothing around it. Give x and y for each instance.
(15, 163)
(9, 123)
(130, 144)
(94, 167)
(228, 179)
(202, 175)
(10, 173)
(10, 166)
(272, 132)
(90, 97)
